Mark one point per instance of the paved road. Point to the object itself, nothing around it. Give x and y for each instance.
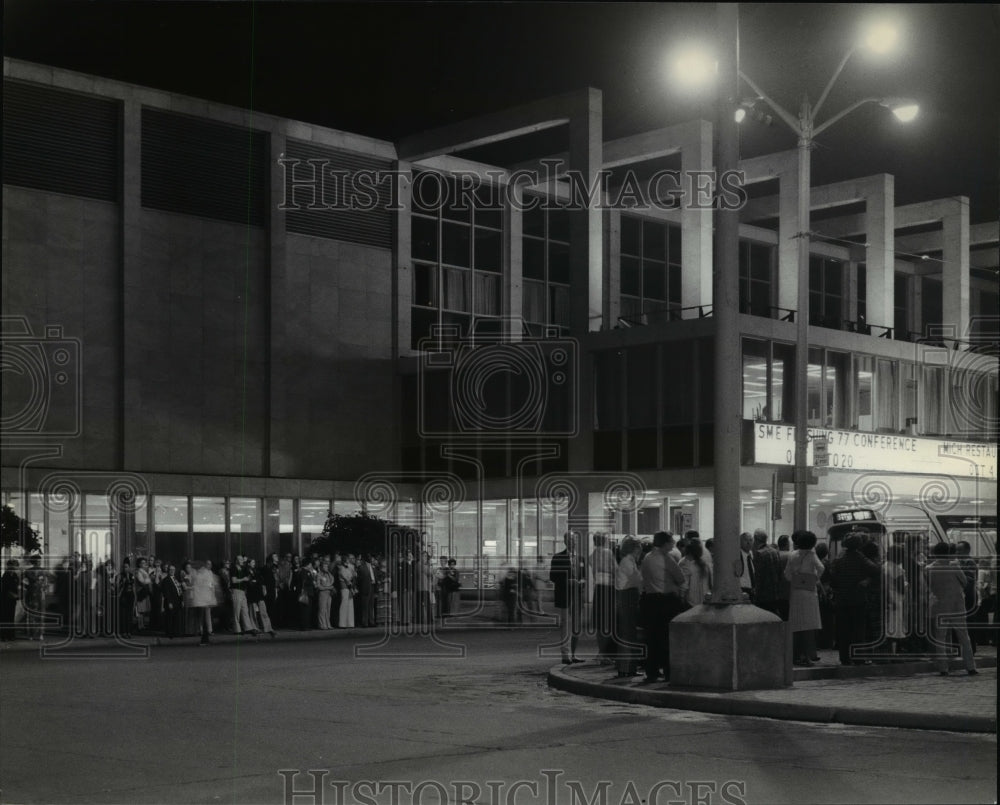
(216, 724)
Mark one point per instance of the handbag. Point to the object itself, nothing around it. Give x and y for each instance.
(803, 581)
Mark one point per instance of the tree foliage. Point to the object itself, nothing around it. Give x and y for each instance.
(15, 531)
(352, 533)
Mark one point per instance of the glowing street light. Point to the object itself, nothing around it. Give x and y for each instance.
(694, 67)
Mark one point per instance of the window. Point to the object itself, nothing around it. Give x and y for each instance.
(887, 395)
(650, 267)
(862, 298)
(209, 525)
(756, 270)
(171, 521)
(457, 249)
(826, 292)
(901, 307)
(545, 266)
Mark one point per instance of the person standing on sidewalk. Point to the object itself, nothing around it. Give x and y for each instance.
(568, 574)
(662, 582)
(628, 586)
(237, 587)
(946, 581)
(602, 566)
(851, 574)
(203, 597)
(803, 573)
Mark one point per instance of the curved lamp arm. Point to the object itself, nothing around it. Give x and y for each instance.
(789, 119)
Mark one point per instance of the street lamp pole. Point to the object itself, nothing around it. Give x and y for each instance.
(806, 130)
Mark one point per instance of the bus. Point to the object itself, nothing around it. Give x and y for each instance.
(900, 522)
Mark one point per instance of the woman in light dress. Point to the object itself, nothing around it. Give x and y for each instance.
(324, 594)
(803, 572)
(346, 576)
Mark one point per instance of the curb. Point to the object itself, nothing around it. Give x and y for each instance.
(725, 704)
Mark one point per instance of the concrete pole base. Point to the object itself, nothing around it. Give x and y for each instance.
(729, 647)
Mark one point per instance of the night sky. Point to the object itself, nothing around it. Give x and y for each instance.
(387, 70)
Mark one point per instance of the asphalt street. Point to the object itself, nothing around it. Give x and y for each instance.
(231, 723)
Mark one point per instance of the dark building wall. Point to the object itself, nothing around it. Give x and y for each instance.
(61, 269)
(196, 347)
(333, 368)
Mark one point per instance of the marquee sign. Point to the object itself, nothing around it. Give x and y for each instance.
(887, 452)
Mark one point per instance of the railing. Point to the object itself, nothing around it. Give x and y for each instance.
(666, 315)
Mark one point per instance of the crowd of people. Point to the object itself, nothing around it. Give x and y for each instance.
(871, 608)
(149, 595)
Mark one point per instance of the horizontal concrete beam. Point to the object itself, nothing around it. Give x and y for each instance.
(528, 118)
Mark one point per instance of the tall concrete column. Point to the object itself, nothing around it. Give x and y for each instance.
(513, 290)
(403, 275)
(880, 257)
(788, 246)
(696, 217)
(585, 252)
(613, 274)
(955, 253)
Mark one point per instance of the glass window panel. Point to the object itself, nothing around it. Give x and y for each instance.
(654, 241)
(631, 308)
(465, 541)
(534, 301)
(864, 401)
(57, 510)
(833, 277)
(631, 278)
(421, 322)
(886, 395)
(559, 262)
(427, 192)
(674, 286)
(312, 518)
(489, 250)
(783, 382)
(641, 367)
(456, 289)
(678, 402)
(654, 281)
(760, 299)
(815, 274)
(245, 535)
(607, 390)
(286, 527)
(760, 262)
(559, 300)
(97, 538)
(559, 225)
(209, 526)
(455, 244)
(674, 245)
(171, 540)
(631, 235)
(814, 382)
(425, 285)
(533, 220)
(459, 202)
(495, 530)
(836, 388)
(424, 234)
(705, 372)
(36, 517)
(533, 266)
(487, 294)
(931, 393)
(489, 206)
(755, 356)
(908, 390)
(458, 321)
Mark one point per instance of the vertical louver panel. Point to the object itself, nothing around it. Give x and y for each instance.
(61, 141)
(200, 167)
(350, 194)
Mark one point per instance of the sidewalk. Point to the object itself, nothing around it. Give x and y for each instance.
(909, 695)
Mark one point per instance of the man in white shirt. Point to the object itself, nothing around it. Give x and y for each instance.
(661, 602)
(602, 566)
